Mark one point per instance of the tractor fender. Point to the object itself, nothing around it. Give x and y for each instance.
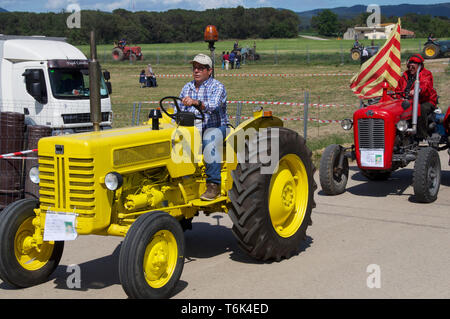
(256, 123)
(237, 135)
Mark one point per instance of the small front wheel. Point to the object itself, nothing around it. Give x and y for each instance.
(333, 179)
(22, 263)
(152, 256)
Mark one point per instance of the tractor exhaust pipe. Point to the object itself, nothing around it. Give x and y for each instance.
(413, 130)
(94, 85)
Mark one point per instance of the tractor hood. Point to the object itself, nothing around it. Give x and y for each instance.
(126, 150)
(391, 109)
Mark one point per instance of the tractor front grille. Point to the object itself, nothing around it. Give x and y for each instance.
(371, 133)
(67, 183)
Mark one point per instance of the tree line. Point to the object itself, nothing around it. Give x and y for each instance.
(327, 23)
(155, 27)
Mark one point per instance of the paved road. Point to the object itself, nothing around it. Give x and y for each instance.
(371, 224)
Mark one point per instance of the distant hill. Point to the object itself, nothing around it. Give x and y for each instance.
(3, 10)
(441, 9)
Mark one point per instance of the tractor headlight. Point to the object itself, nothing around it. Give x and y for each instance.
(347, 124)
(402, 125)
(34, 174)
(113, 181)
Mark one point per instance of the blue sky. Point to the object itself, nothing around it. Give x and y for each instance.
(163, 5)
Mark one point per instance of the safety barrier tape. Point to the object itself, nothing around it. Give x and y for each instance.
(267, 103)
(14, 154)
(293, 119)
(20, 157)
(265, 74)
(256, 75)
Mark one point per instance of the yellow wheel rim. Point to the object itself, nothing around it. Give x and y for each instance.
(160, 259)
(355, 55)
(288, 197)
(29, 257)
(429, 51)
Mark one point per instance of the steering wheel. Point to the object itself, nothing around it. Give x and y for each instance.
(175, 100)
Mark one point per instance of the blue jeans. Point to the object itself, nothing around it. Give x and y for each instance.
(212, 148)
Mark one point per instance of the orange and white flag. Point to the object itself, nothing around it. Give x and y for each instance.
(383, 66)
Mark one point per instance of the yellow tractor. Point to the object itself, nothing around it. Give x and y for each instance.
(144, 183)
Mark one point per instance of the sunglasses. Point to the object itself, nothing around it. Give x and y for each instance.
(199, 67)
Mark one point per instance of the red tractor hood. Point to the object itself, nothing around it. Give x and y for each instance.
(388, 109)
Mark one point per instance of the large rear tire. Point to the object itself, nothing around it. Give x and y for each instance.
(431, 51)
(332, 180)
(21, 265)
(271, 212)
(427, 175)
(117, 54)
(152, 256)
(355, 54)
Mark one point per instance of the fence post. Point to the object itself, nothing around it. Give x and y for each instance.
(134, 112)
(138, 117)
(305, 116)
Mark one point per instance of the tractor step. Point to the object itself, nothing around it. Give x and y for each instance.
(203, 203)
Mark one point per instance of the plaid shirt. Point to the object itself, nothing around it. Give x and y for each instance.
(213, 95)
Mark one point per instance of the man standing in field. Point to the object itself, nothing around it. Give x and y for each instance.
(210, 96)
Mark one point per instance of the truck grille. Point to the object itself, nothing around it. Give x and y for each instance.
(371, 133)
(67, 183)
(82, 118)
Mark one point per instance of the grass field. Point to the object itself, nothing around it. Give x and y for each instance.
(287, 51)
(322, 90)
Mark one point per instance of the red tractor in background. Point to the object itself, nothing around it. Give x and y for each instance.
(385, 140)
(123, 52)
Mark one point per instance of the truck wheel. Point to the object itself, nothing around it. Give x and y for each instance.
(427, 175)
(152, 256)
(271, 211)
(117, 54)
(431, 51)
(22, 265)
(355, 54)
(374, 175)
(333, 181)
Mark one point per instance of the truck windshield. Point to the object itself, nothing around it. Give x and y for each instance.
(73, 84)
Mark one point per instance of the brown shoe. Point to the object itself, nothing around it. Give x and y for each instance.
(212, 192)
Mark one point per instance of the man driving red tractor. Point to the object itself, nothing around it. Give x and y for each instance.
(427, 94)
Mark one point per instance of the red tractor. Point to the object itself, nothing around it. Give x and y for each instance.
(385, 140)
(122, 52)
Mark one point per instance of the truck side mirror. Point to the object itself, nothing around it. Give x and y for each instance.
(35, 85)
(106, 75)
(109, 87)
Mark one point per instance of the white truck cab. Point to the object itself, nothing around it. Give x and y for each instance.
(47, 79)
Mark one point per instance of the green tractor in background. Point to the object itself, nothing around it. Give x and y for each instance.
(433, 49)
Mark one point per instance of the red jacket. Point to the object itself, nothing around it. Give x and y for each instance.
(427, 92)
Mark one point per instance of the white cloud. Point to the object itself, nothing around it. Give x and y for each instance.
(211, 4)
(110, 6)
(56, 4)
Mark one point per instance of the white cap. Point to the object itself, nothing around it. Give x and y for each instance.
(202, 59)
